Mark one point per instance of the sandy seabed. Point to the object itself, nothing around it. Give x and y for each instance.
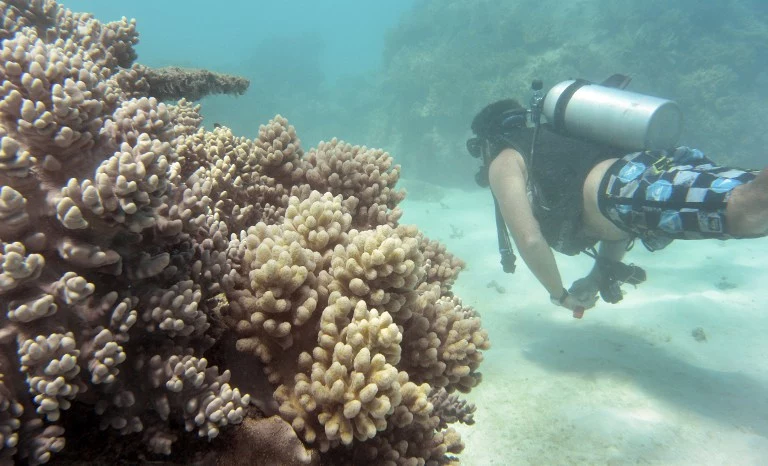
(630, 383)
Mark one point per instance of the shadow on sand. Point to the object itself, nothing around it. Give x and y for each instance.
(730, 398)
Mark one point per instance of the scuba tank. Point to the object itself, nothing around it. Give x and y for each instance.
(613, 116)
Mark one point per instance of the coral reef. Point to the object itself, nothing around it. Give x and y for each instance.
(174, 83)
(171, 285)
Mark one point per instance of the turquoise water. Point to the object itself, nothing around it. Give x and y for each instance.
(348, 35)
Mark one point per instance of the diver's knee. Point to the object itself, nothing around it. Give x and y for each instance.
(746, 224)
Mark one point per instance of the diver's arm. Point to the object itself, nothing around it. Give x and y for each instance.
(509, 186)
(610, 250)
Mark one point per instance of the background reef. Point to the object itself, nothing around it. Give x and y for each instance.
(201, 296)
(706, 57)
(445, 60)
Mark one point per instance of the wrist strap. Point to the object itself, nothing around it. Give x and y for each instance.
(559, 300)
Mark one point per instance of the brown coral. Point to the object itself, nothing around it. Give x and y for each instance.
(138, 252)
(174, 83)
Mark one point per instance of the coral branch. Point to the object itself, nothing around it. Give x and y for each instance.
(174, 83)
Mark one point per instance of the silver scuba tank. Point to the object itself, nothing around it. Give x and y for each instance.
(613, 116)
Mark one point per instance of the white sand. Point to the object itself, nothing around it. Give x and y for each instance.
(628, 384)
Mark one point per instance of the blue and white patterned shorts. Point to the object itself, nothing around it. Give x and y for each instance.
(660, 196)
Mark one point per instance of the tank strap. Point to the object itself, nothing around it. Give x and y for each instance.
(562, 102)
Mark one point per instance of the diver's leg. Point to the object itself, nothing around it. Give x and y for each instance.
(613, 250)
(609, 250)
(746, 213)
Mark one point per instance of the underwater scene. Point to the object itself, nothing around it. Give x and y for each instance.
(414, 232)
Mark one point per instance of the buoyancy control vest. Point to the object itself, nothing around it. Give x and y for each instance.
(558, 172)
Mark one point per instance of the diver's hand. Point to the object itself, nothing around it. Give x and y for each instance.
(585, 290)
(576, 306)
(570, 302)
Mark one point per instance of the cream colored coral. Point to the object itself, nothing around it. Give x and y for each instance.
(443, 343)
(123, 317)
(415, 407)
(176, 311)
(442, 266)
(279, 152)
(186, 118)
(350, 384)
(50, 364)
(410, 447)
(128, 188)
(15, 161)
(13, 212)
(33, 309)
(320, 220)
(10, 414)
(464, 338)
(144, 115)
(211, 402)
(364, 176)
(70, 215)
(17, 267)
(378, 333)
(229, 181)
(31, 13)
(281, 293)
(44, 443)
(105, 356)
(379, 266)
(73, 288)
(58, 96)
(86, 255)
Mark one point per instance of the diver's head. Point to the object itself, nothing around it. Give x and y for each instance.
(499, 116)
(493, 127)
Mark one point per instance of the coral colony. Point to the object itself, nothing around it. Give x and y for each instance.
(140, 253)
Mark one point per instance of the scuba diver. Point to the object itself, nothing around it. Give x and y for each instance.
(604, 168)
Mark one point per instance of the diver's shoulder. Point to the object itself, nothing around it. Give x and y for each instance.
(510, 155)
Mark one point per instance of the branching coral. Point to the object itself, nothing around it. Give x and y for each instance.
(139, 253)
(371, 190)
(443, 343)
(379, 266)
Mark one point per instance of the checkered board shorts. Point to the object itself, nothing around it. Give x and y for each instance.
(660, 196)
